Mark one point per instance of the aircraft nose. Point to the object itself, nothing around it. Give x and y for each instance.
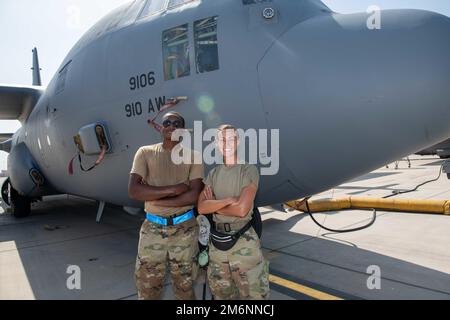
(348, 99)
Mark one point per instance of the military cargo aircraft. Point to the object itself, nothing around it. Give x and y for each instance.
(346, 98)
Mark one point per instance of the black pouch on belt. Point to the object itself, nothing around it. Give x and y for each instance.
(223, 241)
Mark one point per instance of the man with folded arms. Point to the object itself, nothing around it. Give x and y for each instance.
(169, 235)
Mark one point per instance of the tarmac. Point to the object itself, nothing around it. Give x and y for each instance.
(402, 256)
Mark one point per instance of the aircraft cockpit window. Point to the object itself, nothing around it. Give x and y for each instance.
(62, 76)
(245, 2)
(151, 7)
(176, 3)
(206, 48)
(176, 52)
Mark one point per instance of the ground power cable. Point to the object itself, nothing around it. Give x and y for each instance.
(374, 216)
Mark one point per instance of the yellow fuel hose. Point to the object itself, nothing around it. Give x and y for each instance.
(368, 203)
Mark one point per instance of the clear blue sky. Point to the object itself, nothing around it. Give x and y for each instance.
(53, 26)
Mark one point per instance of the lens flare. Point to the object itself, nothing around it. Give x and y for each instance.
(205, 104)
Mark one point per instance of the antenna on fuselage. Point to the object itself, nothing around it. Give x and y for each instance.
(36, 69)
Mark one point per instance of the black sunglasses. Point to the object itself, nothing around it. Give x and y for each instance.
(176, 123)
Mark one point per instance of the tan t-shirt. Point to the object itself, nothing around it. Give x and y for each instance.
(154, 164)
(228, 182)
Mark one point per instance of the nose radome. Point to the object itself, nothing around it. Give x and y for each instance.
(360, 97)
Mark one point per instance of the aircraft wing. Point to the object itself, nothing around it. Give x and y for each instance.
(17, 102)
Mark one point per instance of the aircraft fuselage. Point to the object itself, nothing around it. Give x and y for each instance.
(346, 99)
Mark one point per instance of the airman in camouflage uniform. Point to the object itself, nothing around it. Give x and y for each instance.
(170, 191)
(240, 272)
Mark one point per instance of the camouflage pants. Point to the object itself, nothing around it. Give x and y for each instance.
(241, 272)
(175, 246)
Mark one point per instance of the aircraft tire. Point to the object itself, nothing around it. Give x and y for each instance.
(5, 191)
(20, 205)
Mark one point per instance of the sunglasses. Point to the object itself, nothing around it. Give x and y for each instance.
(176, 123)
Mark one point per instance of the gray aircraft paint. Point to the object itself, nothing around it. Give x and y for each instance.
(345, 98)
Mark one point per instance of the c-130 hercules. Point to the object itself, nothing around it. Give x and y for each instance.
(347, 99)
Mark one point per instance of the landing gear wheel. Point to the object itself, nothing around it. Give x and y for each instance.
(20, 205)
(5, 192)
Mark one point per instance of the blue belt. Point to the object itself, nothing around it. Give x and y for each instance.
(171, 221)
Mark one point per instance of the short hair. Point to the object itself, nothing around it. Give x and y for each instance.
(227, 127)
(176, 114)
